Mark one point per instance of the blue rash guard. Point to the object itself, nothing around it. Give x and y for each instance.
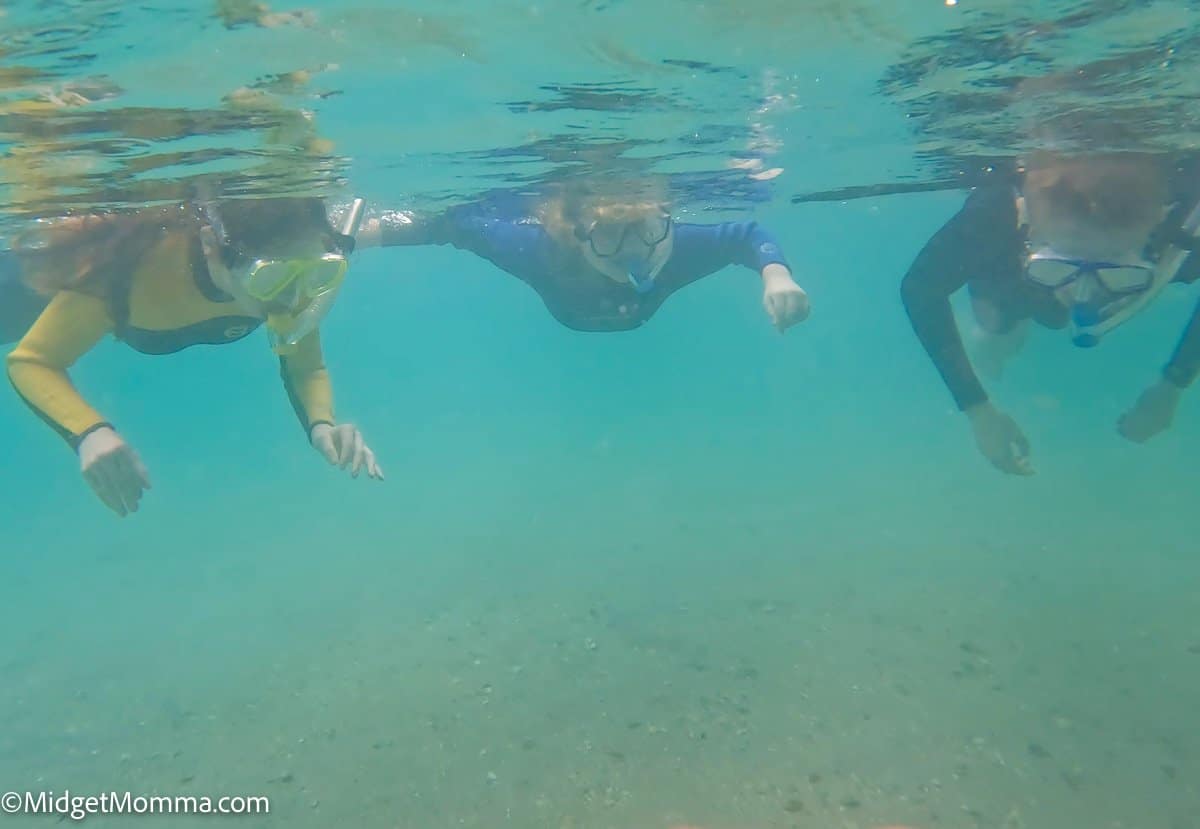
(504, 232)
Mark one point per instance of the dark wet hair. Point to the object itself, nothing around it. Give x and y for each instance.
(86, 252)
(256, 225)
(97, 253)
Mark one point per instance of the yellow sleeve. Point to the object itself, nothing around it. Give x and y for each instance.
(307, 382)
(68, 328)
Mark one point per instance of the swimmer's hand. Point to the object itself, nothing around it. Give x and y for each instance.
(343, 446)
(1153, 413)
(1000, 439)
(113, 470)
(785, 302)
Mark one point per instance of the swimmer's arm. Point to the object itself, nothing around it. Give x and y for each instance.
(397, 228)
(708, 248)
(306, 380)
(967, 242)
(752, 245)
(1184, 366)
(507, 242)
(68, 328)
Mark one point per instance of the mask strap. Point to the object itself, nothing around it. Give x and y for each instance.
(211, 216)
(1173, 235)
(1022, 214)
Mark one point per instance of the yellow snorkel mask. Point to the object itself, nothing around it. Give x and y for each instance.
(311, 287)
(297, 293)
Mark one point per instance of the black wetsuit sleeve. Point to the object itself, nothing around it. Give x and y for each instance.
(975, 243)
(1184, 365)
(1185, 362)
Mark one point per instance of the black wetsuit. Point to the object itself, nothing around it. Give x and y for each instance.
(982, 247)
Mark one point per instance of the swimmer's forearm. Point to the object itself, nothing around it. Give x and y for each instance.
(69, 327)
(397, 228)
(306, 380)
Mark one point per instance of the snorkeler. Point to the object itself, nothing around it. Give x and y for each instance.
(1080, 243)
(600, 263)
(163, 279)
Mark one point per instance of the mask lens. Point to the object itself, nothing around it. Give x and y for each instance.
(267, 280)
(1052, 273)
(1125, 279)
(606, 239)
(324, 275)
(654, 229)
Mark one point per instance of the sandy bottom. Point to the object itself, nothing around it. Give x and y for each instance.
(736, 693)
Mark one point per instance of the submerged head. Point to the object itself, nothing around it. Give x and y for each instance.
(1090, 223)
(280, 259)
(626, 241)
(622, 228)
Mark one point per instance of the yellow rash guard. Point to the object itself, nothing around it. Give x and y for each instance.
(169, 304)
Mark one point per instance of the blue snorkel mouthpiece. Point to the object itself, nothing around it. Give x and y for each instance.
(642, 279)
(1084, 317)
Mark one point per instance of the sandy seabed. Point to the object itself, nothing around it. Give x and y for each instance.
(753, 693)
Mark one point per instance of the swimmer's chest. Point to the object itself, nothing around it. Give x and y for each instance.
(168, 311)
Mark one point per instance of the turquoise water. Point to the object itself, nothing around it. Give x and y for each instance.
(699, 573)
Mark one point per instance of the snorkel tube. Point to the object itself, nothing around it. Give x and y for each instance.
(287, 330)
(1091, 324)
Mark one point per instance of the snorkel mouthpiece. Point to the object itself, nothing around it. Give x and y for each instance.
(642, 279)
(1083, 318)
(278, 326)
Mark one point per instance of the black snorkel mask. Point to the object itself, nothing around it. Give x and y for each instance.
(607, 242)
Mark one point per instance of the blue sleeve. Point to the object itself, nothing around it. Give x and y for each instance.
(708, 248)
(510, 243)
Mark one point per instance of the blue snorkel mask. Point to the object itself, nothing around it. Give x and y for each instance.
(1104, 295)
